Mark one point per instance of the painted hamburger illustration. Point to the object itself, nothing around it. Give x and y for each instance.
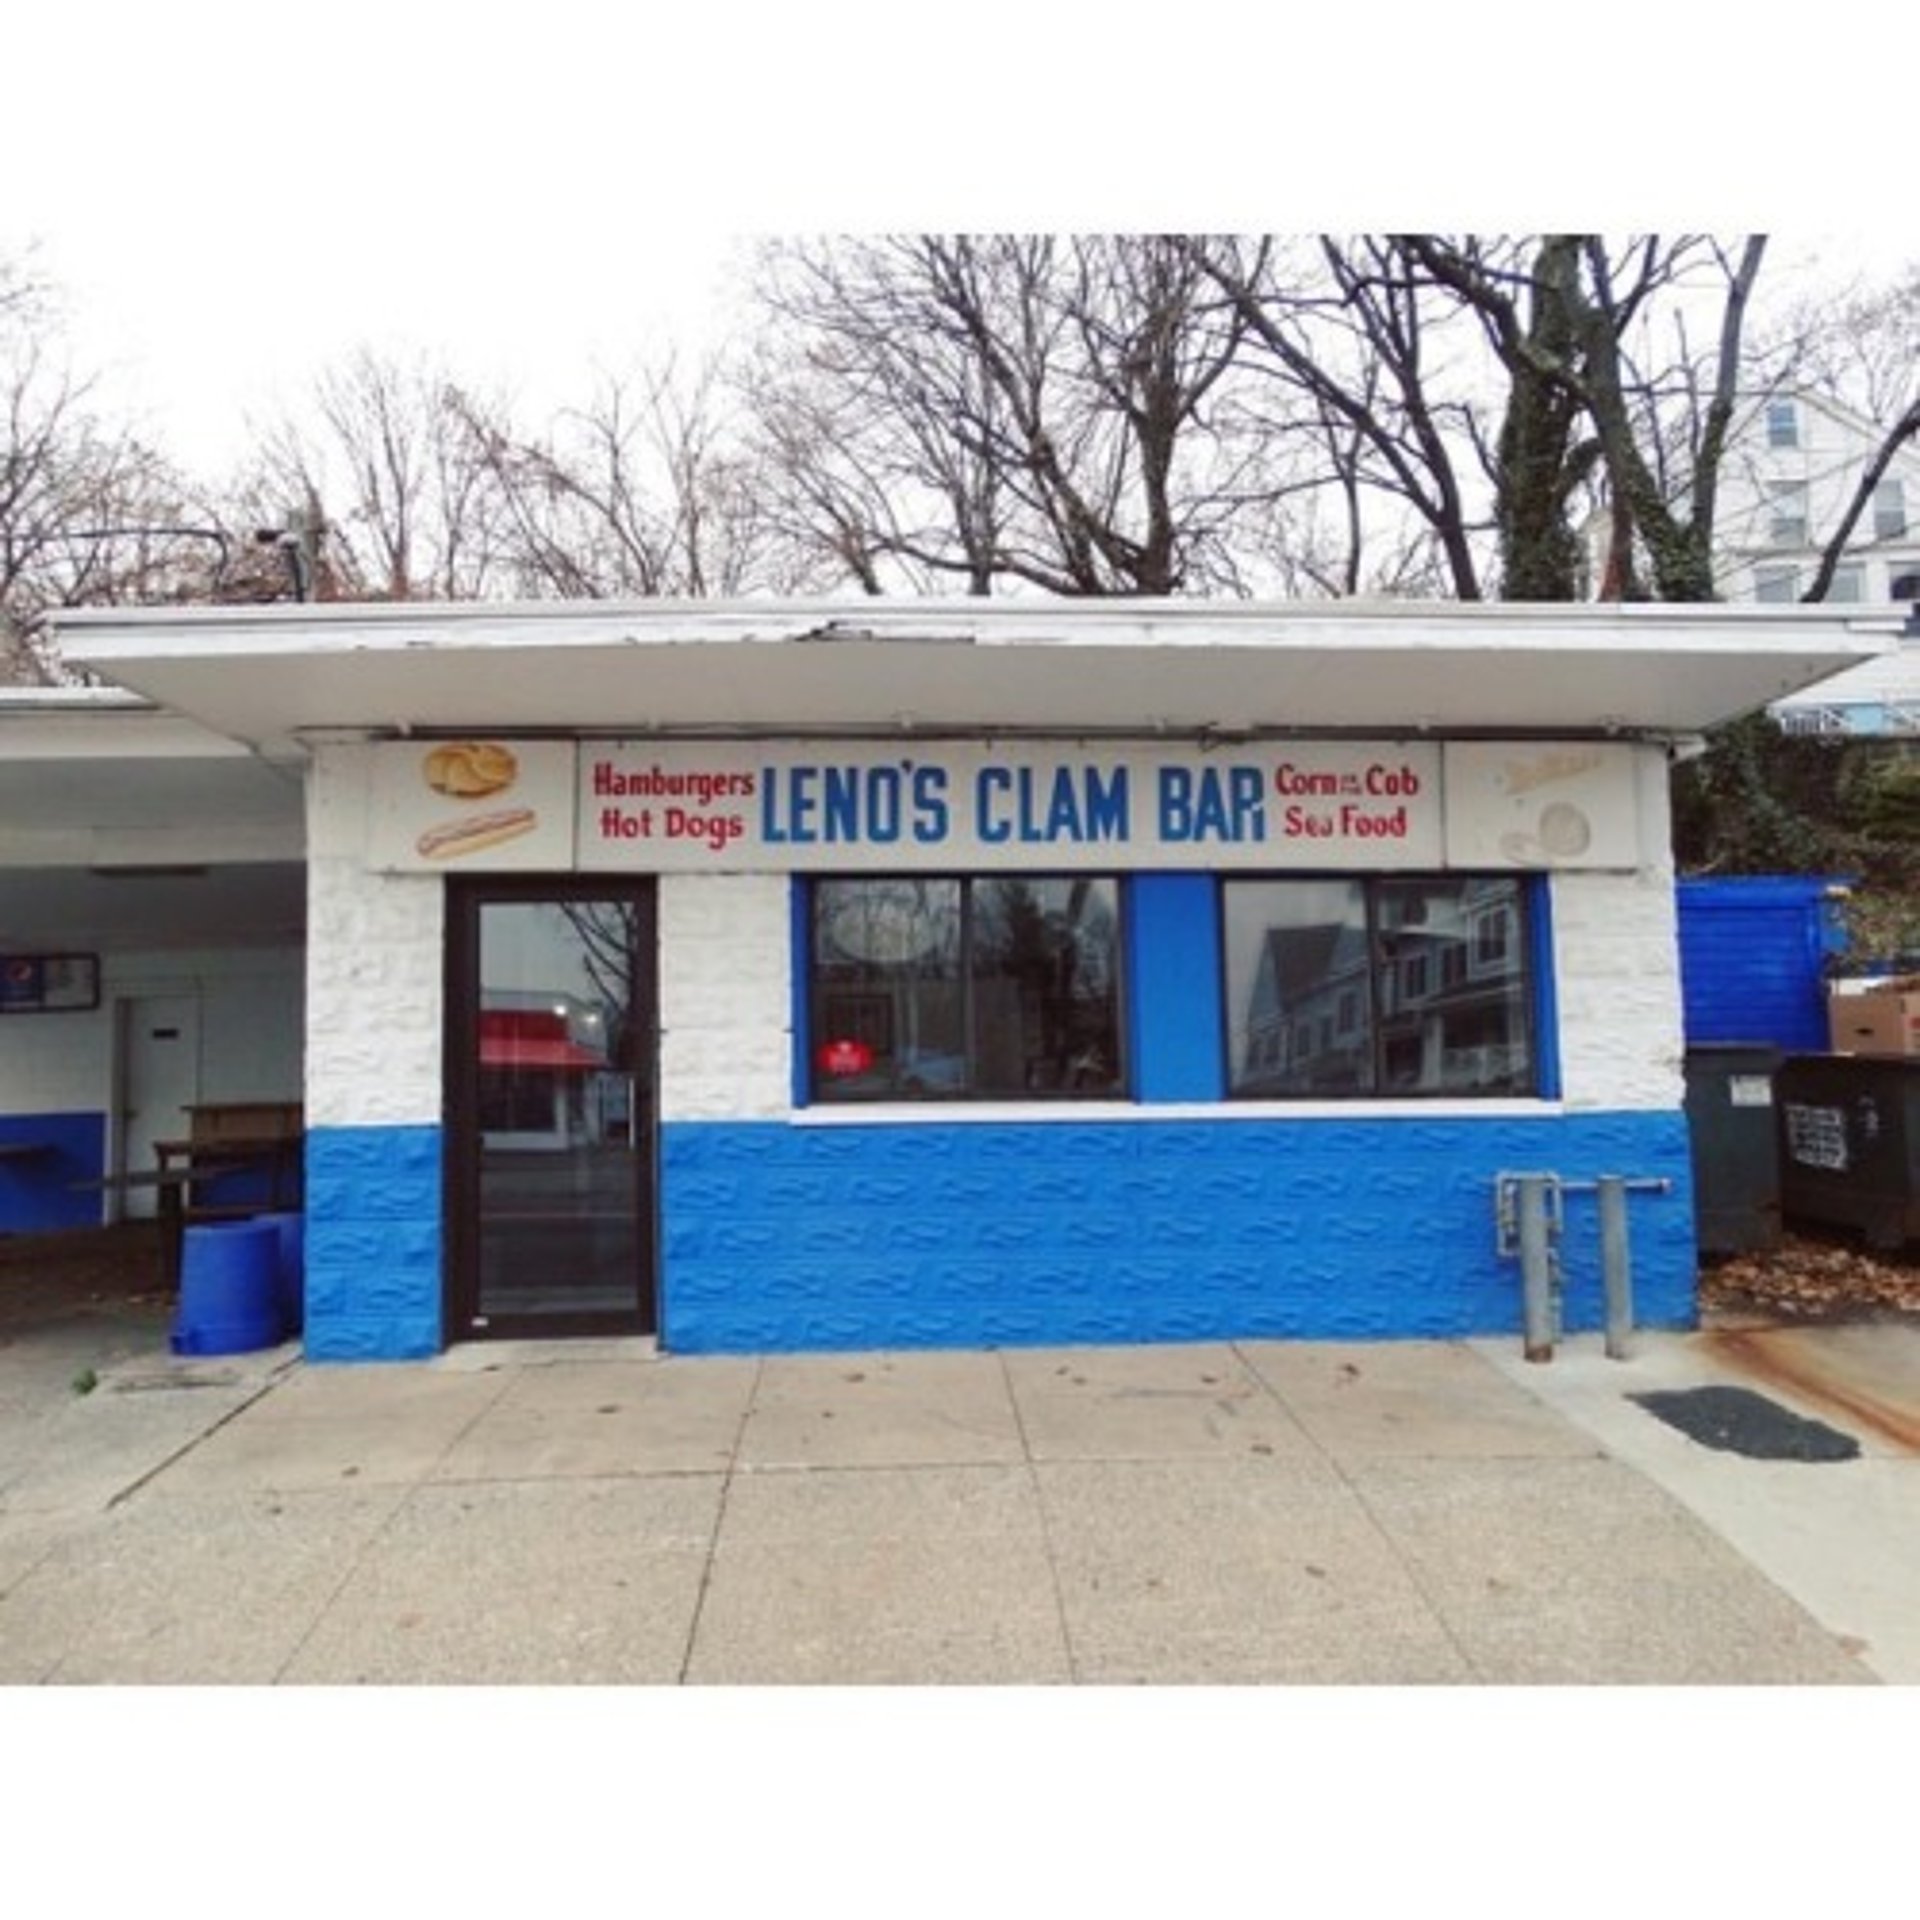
(470, 769)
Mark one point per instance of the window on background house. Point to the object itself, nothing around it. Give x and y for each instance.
(953, 988)
(1890, 510)
(1429, 979)
(1787, 513)
(1849, 582)
(1783, 424)
(1776, 583)
(1492, 921)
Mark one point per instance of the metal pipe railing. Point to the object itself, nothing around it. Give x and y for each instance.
(1530, 1221)
(1616, 1264)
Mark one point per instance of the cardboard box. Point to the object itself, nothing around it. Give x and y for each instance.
(1877, 1021)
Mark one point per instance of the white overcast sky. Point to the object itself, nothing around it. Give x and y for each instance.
(232, 197)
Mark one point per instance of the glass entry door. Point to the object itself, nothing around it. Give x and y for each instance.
(550, 1124)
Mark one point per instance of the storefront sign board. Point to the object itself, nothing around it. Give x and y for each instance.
(977, 807)
(475, 806)
(1542, 803)
(943, 806)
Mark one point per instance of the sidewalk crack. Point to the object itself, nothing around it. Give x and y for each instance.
(1047, 1543)
(719, 1521)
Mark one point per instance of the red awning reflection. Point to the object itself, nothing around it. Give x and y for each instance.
(524, 1037)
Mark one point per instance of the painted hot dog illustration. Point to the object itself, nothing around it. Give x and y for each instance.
(455, 839)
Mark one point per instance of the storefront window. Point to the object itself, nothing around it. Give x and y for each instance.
(991, 988)
(1377, 987)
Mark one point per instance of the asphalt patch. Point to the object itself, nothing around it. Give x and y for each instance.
(1737, 1420)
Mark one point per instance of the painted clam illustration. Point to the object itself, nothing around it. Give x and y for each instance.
(1563, 832)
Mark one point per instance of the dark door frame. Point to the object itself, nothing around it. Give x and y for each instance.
(466, 895)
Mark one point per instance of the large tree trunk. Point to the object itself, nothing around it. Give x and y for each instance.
(1539, 464)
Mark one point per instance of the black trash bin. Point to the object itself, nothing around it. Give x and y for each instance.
(1736, 1147)
(1850, 1143)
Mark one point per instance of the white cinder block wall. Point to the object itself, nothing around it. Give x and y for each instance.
(726, 997)
(1617, 970)
(374, 967)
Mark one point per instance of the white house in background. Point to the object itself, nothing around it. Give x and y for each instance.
(1793, 466)
(1791, 469)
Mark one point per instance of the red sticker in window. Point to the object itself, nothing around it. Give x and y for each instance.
(842, 1059)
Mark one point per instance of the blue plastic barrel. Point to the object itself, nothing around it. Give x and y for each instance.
(229, 1289)
(290, 1268)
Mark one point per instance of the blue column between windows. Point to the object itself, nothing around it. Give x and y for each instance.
(1546, 1008)
(1174, 1018)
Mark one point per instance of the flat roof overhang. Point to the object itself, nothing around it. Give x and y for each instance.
(97, 777)
(268, 676)
(123, 826)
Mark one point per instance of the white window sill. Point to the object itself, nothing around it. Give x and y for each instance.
(1105, 1112)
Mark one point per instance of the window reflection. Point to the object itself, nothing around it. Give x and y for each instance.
(561, 1041)
(1043, 976)
(1383, 986)
(943, 988)
(1308, 1025)
(555, 1024)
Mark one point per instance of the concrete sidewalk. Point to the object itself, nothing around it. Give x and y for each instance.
(1246, 1513)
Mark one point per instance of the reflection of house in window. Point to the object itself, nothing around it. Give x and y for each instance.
(1307, 1022)
(1470, 1034)
(1492, 940)
(1384, 986)
(544, 1074)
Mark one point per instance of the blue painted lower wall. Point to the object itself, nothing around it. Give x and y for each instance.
(373, 1243)
(47, 1153)
(792, 1238)
(780, 1237)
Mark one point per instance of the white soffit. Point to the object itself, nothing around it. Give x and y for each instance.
(123, 828)
(266, 675)
(95, 778)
